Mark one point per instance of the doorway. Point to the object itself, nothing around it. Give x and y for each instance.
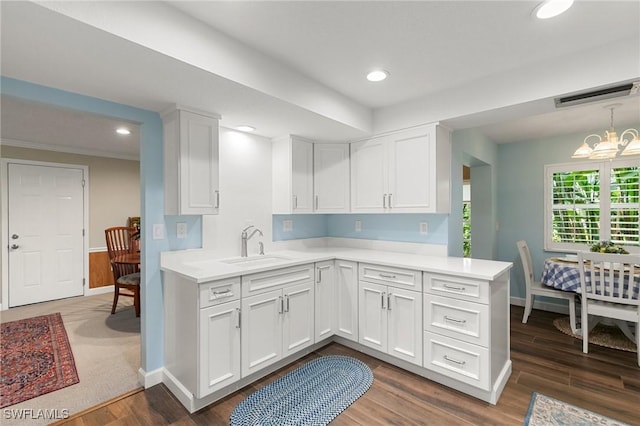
(46, 220)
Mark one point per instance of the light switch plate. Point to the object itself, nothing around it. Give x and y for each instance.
(424, 228)
(287, 225)
(158, 231)
(181, 230)
(358, 226)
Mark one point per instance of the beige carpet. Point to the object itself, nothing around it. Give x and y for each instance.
(106, 349)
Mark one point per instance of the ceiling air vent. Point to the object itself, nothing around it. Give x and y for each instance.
(598, 95)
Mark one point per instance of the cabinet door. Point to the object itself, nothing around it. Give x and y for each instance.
(297, 327)
(302, 176)
(412, 166)
(325, 300)
(219, 346)
(346, 274)
(199, 175)
(404, 309)
(373, 315)
(368, 176)
(331, 178)
(261, 331)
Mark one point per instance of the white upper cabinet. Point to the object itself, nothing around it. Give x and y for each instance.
(292, 159)
(402, 172)
(191, 170)
(331, 177)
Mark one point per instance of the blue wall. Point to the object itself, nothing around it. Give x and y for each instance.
(384, 226)
(151, 198)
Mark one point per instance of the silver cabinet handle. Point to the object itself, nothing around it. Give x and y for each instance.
(390, 200)
(455, 288)
(393, 277)
(295, 202)
(455, 361)
(15, 237)
(280, 304)
(384, 201)
(389, 301)
(221, 294)
(238, 323)
(316, 202)
(14, 246)
(382, 299)
(459, 321)
(287, 297)
(217, 199)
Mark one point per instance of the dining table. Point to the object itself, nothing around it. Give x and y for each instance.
(563, 273)
(128, 259)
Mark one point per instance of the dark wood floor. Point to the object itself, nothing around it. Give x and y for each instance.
(545, 360)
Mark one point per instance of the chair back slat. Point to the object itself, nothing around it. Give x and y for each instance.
(527, 264)
(610, 277)
(119, 242)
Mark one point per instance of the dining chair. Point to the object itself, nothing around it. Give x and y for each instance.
(536, 288)
(126, 276)
(608, 286)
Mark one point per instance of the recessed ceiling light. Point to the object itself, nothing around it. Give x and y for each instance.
(245, 128)
(377, 75)
(550, 8)
(123, 131)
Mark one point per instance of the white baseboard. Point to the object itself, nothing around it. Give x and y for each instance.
(543, 306)
(151, 378)
(99, 290)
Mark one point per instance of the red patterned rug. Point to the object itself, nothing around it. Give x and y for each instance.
(35, 359)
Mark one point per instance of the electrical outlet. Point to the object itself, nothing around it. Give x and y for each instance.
(358, 226)
(181, 230)
(158, 231)
(424, 228)
(287, 225)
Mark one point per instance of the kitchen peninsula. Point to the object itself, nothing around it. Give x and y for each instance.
(229, 322)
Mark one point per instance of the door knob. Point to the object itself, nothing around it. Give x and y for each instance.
(14, 237)
(14, 246)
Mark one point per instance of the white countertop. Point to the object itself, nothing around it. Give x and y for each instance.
(200, 266)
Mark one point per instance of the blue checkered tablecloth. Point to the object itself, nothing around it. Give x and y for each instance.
(566, 276)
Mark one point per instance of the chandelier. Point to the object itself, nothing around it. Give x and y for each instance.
(608, 147)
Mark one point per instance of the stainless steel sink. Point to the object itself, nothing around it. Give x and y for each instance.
(255, 260)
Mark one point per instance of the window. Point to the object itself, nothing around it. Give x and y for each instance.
(592, 201)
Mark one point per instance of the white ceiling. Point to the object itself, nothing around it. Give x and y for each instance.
(298, 67)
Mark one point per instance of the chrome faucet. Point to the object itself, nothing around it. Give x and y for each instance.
(246, 237)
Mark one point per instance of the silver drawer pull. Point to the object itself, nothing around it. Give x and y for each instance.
(455, 288)
(238, 319)
(455, 361)
(459, 321)
(393, 277)
(221, 294)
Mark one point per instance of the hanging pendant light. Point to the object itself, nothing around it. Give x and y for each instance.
(608, 146)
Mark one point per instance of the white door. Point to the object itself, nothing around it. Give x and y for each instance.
(46, 219)
(404, 331)
(261, 334)
(297, 327)
(325, 299)
(302, 176)
(219, 347)
(331, 177)
(346, 289)
(410, 170)
(368, 176)
(373, 315)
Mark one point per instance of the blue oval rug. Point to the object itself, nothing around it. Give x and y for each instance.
(313, 394)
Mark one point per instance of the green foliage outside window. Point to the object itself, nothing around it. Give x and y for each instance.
(466, 229)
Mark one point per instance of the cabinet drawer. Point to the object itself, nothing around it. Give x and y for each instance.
(457, 287)
(278, 278)
(455, 318)
(459, 360)
(216, 292)
(396, 277)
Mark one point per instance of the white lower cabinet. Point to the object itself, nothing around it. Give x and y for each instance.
(277, 323)
(325, 300)
(219, 357)
(390, 318)
(346, 299)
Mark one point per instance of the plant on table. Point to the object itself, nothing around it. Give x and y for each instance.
(608, 247)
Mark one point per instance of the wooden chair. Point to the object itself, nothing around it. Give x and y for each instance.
(126, 277)
(536, 288)
(603, 278)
